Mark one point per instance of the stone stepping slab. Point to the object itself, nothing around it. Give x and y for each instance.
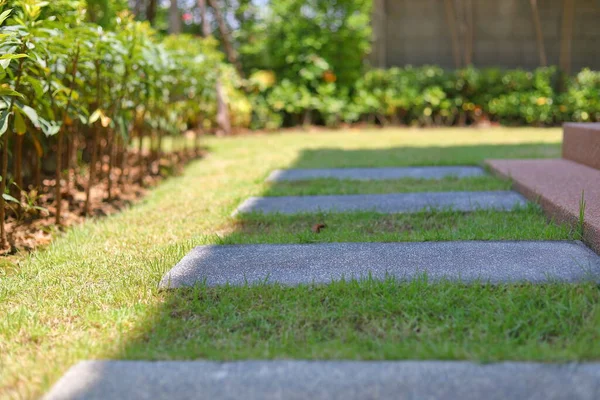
(368, 174)
(464, 261)
(343, 380)
(385, 203)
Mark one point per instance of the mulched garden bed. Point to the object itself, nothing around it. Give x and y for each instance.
(32, 224)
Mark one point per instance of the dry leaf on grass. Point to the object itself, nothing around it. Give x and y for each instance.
(318, 227)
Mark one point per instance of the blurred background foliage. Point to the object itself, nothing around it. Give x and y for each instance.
(85, 83)
(306, 62)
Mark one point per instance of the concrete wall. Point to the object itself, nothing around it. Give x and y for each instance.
(417, 32)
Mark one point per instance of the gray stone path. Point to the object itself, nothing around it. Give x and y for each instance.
(343, 380)
(292, 264)
(385, 203)
(368, 174)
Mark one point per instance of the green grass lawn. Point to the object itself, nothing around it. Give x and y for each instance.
(525, 224)
(347, 186)
(93, 292)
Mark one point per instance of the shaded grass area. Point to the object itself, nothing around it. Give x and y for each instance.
(93, 292)
(528, 223)
(371, 320)
(411, 155)
(347, 186)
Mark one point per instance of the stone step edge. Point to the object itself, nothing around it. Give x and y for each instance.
(386, 203)
(347, 380)
(497, 262)
(376, 173)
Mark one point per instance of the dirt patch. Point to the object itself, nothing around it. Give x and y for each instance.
(32, 223)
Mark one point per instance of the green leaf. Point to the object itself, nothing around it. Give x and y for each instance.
(4, 15)
(95, 116)
(36, 84)
(123, 127)
(50, 128)
(31, 115)
(12, 56)
(4, 91)
(4, 121)
(8, 197)
(20, 126)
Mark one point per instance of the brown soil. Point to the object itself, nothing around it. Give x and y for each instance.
(31, 224)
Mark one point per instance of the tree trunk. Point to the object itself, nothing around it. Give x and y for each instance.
(159, 143)
(222, 111)
(141, 164)
(153, 147)
(77, 139)
(379, 24)
(307, 119)
(205, 25)
(18, 170)
(469, 31)
(38, 172)
(59, 154)
(122, 175)
(3, 235)
(95, 150)
(174, 18)
(226, 37)
(539, 35)
(451, 19)
(70, 140)
(3, 238)
(57, 186)
(137, 8)
(151, 11)
(566, 39)
(92, 171)
(198, 142)
(111, 162)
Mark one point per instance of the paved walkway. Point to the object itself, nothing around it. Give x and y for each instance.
(495, 262)
(332, 380)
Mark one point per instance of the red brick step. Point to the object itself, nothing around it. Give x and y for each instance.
(557, 185)
(581, 143)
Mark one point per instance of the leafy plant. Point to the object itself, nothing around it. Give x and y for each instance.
(581, 219)
(429, 95)
(73, 93)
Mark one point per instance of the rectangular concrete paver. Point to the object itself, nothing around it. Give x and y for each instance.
(368, 174)
(293, 264)
(335, 380)
(385, 203)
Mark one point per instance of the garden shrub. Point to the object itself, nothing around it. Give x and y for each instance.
(429, 95)
(74, 94)
(581, 101)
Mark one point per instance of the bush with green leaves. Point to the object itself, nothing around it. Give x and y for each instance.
(293, 32)
(72, 92)
(581, 100)
(429, 95)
